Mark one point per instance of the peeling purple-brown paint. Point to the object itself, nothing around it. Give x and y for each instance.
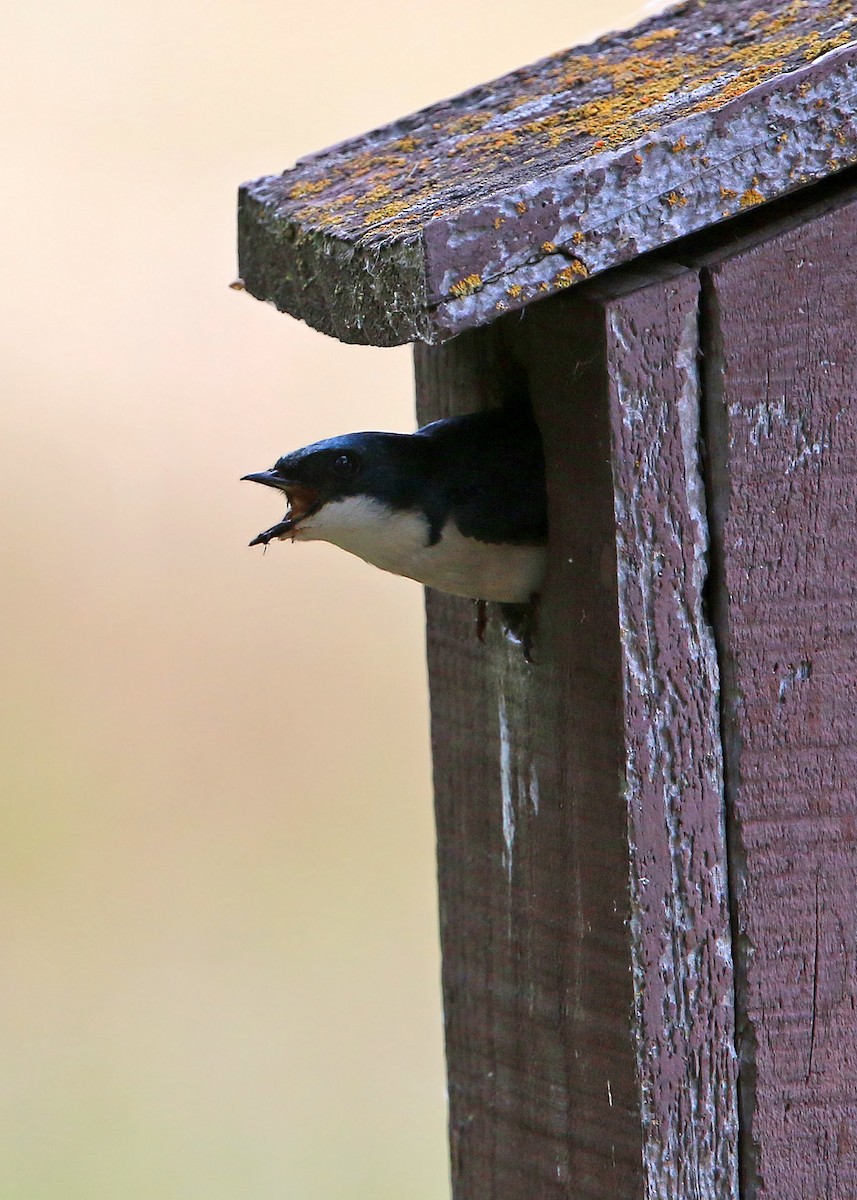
(522, 187)
(587, 967)
(781, 382)
(680, 921)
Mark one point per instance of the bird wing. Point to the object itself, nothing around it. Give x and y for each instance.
(496, 464)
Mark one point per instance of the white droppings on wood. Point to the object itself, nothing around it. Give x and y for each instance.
(506, 788)
(534, 789)
(672, 779)
(519, 778)
(792, 676)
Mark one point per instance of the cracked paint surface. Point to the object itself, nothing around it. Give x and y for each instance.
(523, 186)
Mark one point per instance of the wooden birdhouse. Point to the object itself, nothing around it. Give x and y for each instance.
(647, 835)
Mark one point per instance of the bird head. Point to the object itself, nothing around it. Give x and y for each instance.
(380, 466)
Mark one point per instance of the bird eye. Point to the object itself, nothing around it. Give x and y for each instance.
(345, 466)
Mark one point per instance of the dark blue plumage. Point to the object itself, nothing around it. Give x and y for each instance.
(460, 504)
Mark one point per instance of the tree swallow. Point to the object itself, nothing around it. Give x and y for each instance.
(460, 505)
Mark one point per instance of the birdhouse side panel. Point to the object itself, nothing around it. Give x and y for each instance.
(532, 837)
(781, 430)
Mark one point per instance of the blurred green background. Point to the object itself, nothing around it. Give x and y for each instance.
(218, 916)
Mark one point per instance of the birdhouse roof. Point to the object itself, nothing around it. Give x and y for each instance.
(524, 186)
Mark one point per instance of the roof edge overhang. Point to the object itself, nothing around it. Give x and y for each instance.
(536, 234)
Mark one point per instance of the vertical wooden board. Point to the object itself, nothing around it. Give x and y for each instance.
(532, 831)
(781, 386)
(681, 941)
(586, 944)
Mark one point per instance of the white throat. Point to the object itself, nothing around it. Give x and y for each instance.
(399, 542)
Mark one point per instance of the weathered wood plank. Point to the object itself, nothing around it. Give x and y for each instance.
(524, 186)
(680, 923)
(587, 980)
(532, 851)
(781, 378)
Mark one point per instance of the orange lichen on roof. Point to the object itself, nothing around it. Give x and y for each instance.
(466, 287)
(469, 122)
(481, 141)
(752, 196)
(749, 78)
(386, 212)
(642, 84)
(551, 125)
(785, 19)
(652, 39)
(308, 187)
(824, 47)
(378, 192)
(571, 274)
(319, 218)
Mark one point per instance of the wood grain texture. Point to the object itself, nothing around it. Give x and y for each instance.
(532, 846)
(585, 931)
(524, 186)
(781, 381)
(680, 924)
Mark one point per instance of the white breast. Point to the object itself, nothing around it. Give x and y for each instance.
(398, 542)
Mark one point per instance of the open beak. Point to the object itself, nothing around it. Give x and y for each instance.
(303, 502)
